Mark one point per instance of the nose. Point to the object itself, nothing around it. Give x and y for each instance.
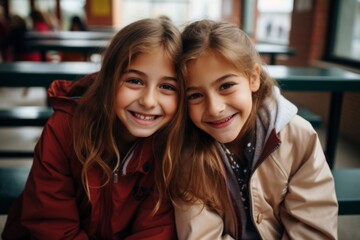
(215, 105)
(148, 99)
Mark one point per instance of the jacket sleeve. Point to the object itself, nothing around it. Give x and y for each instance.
(149, 226)
(49, 208)
(310, 208)
(194, 221)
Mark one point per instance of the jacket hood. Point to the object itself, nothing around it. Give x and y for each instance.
(274, 114)
(62, 94)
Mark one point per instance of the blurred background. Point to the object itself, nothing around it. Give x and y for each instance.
(321, 33)
(336, 22)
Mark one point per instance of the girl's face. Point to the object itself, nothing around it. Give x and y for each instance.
(219, 96)
(146, 98)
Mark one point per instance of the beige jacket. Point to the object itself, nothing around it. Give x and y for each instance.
(292, 193)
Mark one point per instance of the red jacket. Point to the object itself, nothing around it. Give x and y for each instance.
(54, 204)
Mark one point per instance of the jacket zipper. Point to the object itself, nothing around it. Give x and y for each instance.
(249, 188)
(128, 154)
(233, 212)
(116, 175)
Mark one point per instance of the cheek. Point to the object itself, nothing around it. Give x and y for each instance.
(121, 99)
(194, 113)
(243, 102)
(171, 105)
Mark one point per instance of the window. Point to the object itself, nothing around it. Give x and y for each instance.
(19, 7)
(269, 21)
(179, 11)
(70, 8)
(345, 35)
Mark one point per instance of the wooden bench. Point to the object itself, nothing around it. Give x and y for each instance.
(35, 74)
(313, 118)
(41, 74)
(25, 116)
(32, 116)
(347, 190)
(12, 182)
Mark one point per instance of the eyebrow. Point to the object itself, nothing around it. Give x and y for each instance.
(142, 74)
(217, 81)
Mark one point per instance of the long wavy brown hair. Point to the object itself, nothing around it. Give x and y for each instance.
(200, 175)
(95, 122)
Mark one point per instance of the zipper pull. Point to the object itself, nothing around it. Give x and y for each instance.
(115, 177)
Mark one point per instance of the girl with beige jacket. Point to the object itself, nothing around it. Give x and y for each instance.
(251, 167)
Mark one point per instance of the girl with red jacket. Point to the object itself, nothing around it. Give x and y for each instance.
(97, 170)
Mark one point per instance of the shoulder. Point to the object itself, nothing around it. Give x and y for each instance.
(299, 144)
(55, 150)
(297, 130)
(61, 121)
(57, 133)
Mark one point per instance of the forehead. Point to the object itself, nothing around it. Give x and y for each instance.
(209, 66)
(155, 64)
(151, 57)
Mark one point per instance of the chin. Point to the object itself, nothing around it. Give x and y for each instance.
(142, 134)
(225, 139)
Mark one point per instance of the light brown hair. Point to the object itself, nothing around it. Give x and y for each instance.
(96, 124)
(200, 174)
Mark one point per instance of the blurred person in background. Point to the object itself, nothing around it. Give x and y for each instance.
(78, 24)
(4, 34)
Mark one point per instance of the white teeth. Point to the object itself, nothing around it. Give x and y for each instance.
(142, 117)
(224, 120)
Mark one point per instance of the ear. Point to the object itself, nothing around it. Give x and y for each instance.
(255, 78)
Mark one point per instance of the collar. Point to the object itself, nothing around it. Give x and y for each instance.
(140, 158)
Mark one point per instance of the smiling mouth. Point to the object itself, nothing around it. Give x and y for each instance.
(221, 121)
(144, 117)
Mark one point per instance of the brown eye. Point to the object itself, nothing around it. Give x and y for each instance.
(226, 86)
(194, 96)
(134, 81)
(168, 87)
